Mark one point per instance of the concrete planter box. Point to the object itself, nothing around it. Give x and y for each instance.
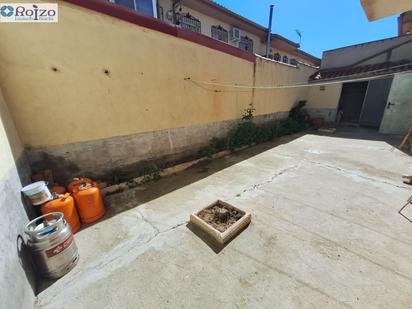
(232, 231)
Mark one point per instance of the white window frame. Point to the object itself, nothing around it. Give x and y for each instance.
(154, 6)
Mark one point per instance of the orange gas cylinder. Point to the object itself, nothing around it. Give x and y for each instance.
(65, 205)
(89, 202)
(76, 182)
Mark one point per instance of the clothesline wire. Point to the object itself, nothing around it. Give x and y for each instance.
(299, 85)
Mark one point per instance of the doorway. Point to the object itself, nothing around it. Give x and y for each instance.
(364, 103)
(351, 101)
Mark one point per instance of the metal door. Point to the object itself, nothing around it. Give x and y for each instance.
(375, 102)
(398, 112)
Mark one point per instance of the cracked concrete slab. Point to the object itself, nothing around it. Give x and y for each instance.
(325, 232)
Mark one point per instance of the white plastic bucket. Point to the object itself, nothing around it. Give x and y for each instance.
(37, 192)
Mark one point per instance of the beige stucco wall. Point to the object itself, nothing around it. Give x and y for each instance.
(271, 73)
(10, 142)
(10, 145)
(324, 103)
(144, 90)
(327, 98)
(16, 291)
(376, 9)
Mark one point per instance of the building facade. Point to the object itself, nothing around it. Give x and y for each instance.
(369, 84)
(376, 83)
(213, 20)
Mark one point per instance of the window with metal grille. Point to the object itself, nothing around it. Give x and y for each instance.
(189, 22)
(246, 44)
(293, 61)
(276, 57)
(285, 59)
(220, 33)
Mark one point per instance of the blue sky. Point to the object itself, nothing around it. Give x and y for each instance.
(325, 24)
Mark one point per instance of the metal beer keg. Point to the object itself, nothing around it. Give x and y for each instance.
(52, 246)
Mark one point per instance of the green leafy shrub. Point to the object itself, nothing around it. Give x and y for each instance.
(289, 126)
(248, 133)
(151, 172)
(299, 115)
(207, 152)
(276, 130)
(248, 113)
(263, 134)
(244, 134)
(218, 143)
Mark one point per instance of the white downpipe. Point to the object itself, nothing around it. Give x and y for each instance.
(154, 5)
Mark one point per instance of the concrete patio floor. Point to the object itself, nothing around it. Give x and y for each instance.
(325, 232)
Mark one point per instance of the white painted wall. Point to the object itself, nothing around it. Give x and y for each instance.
(16, 278)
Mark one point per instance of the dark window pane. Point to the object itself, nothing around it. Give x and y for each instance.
(145, 7)
(127, 3)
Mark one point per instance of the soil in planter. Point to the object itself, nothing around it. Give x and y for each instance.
(220, 216)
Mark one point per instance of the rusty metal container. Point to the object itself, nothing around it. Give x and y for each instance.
(52, 245)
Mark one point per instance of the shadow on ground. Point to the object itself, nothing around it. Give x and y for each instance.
(210, 241)
(364, 133)
(132, 198)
